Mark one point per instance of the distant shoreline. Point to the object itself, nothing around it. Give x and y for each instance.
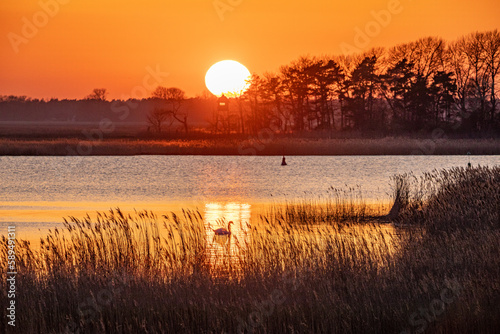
(275, 147)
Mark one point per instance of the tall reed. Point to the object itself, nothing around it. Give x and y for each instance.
(304, 267)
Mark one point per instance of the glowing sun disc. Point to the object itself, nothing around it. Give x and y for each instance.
(227, 77)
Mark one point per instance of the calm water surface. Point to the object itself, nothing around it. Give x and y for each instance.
(36, 192)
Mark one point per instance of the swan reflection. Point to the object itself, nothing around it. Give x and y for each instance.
(225, 249)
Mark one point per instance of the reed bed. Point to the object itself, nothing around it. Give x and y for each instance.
(449, 200)
(298, 269)
(339, 206)
(62, 146)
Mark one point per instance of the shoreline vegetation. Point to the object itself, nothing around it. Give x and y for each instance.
(246, 146)
(300, 269)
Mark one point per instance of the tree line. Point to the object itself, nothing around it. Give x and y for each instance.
(416, 86)
(413, 87)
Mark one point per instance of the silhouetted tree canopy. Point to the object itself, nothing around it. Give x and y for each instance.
(173, 99)
(414, 87)
(98, 94)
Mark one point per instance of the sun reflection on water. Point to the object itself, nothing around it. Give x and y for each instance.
(226, 251)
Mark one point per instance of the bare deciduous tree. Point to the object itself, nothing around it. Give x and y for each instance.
(456, 58)
(426, 54)
(98, 94)
(157, 119)
(492, 58)
(174, 98)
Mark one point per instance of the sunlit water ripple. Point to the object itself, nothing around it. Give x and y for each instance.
(37, 191)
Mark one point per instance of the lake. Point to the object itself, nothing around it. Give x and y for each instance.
(36, 192)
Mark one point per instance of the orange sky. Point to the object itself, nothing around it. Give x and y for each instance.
(110, 43)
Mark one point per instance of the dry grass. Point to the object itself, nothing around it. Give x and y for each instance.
(237, 146)
(301, 268)
(338, 207)
(449, 200)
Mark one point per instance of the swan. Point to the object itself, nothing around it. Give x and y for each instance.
(223, 230)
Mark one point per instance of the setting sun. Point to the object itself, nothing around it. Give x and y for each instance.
(227, 77)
